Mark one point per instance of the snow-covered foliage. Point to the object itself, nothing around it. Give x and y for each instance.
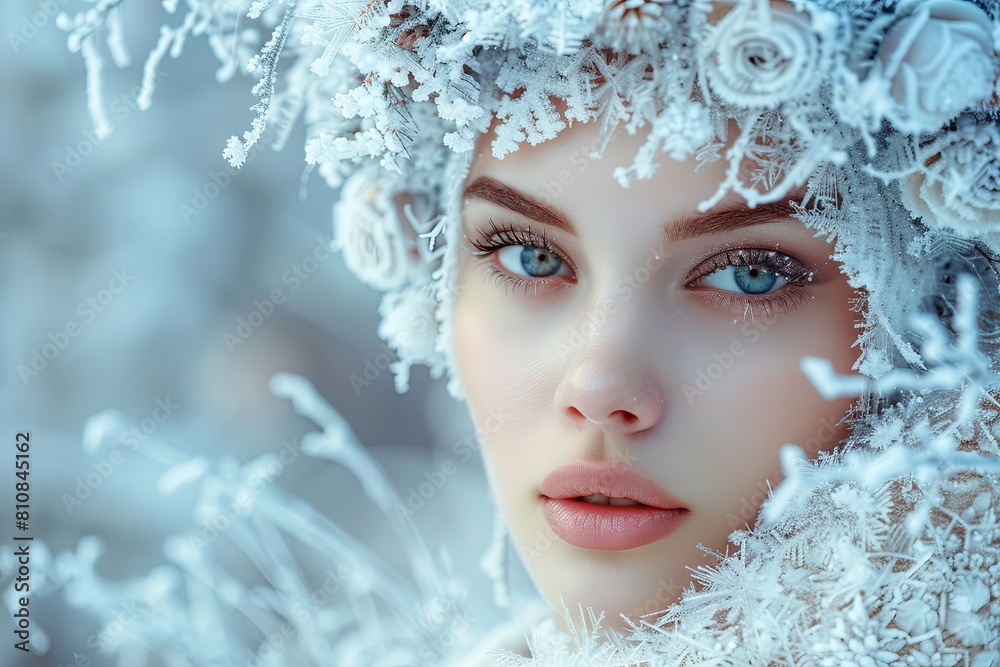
(884, 553)
(393, 91)
(316, 594)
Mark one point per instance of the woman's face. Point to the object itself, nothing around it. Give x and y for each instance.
(632, 365)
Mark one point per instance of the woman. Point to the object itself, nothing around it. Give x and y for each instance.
(669, 346)
(643, 337)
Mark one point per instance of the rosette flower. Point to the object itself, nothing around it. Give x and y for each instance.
(759, 56)
(369, 236)
(937, 62)
(959, 186)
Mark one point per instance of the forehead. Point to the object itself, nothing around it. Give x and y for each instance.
(569, 135)
(562, 171)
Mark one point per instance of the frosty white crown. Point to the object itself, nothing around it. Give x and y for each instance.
(394, 92)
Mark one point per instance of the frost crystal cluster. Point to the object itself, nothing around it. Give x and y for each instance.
(887, 112)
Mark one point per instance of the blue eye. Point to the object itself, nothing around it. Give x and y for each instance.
(745, 279)
(529, 261)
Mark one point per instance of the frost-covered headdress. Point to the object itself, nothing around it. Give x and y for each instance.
(886, 112)
(842, 95)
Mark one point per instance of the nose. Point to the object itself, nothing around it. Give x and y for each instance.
(606, 389)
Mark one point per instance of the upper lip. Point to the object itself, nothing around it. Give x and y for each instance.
(586, 479)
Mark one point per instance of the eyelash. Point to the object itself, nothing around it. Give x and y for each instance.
(502, 236)
(785, 300)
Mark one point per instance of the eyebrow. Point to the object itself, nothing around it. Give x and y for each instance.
(718, 220)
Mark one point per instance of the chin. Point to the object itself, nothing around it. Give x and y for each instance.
(635, 582)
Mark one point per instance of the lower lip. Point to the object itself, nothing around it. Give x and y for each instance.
(609, 527)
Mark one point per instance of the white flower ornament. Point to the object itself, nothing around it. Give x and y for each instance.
(760, 56)
(959, 186)
(936, 62)
(369, 236)
(850, 99)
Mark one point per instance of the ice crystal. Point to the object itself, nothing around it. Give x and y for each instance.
(892, 593)
(882, 553)
(190, 607)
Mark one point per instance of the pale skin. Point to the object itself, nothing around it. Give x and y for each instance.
(632, 342)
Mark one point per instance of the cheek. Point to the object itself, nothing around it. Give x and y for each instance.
(476, 357)
(506, 367)
(495, 360)
(757, 399)
(766, 405)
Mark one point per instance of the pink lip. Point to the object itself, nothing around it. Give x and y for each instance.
(607, 527)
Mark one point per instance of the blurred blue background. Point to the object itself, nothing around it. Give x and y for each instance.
(116, 297)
